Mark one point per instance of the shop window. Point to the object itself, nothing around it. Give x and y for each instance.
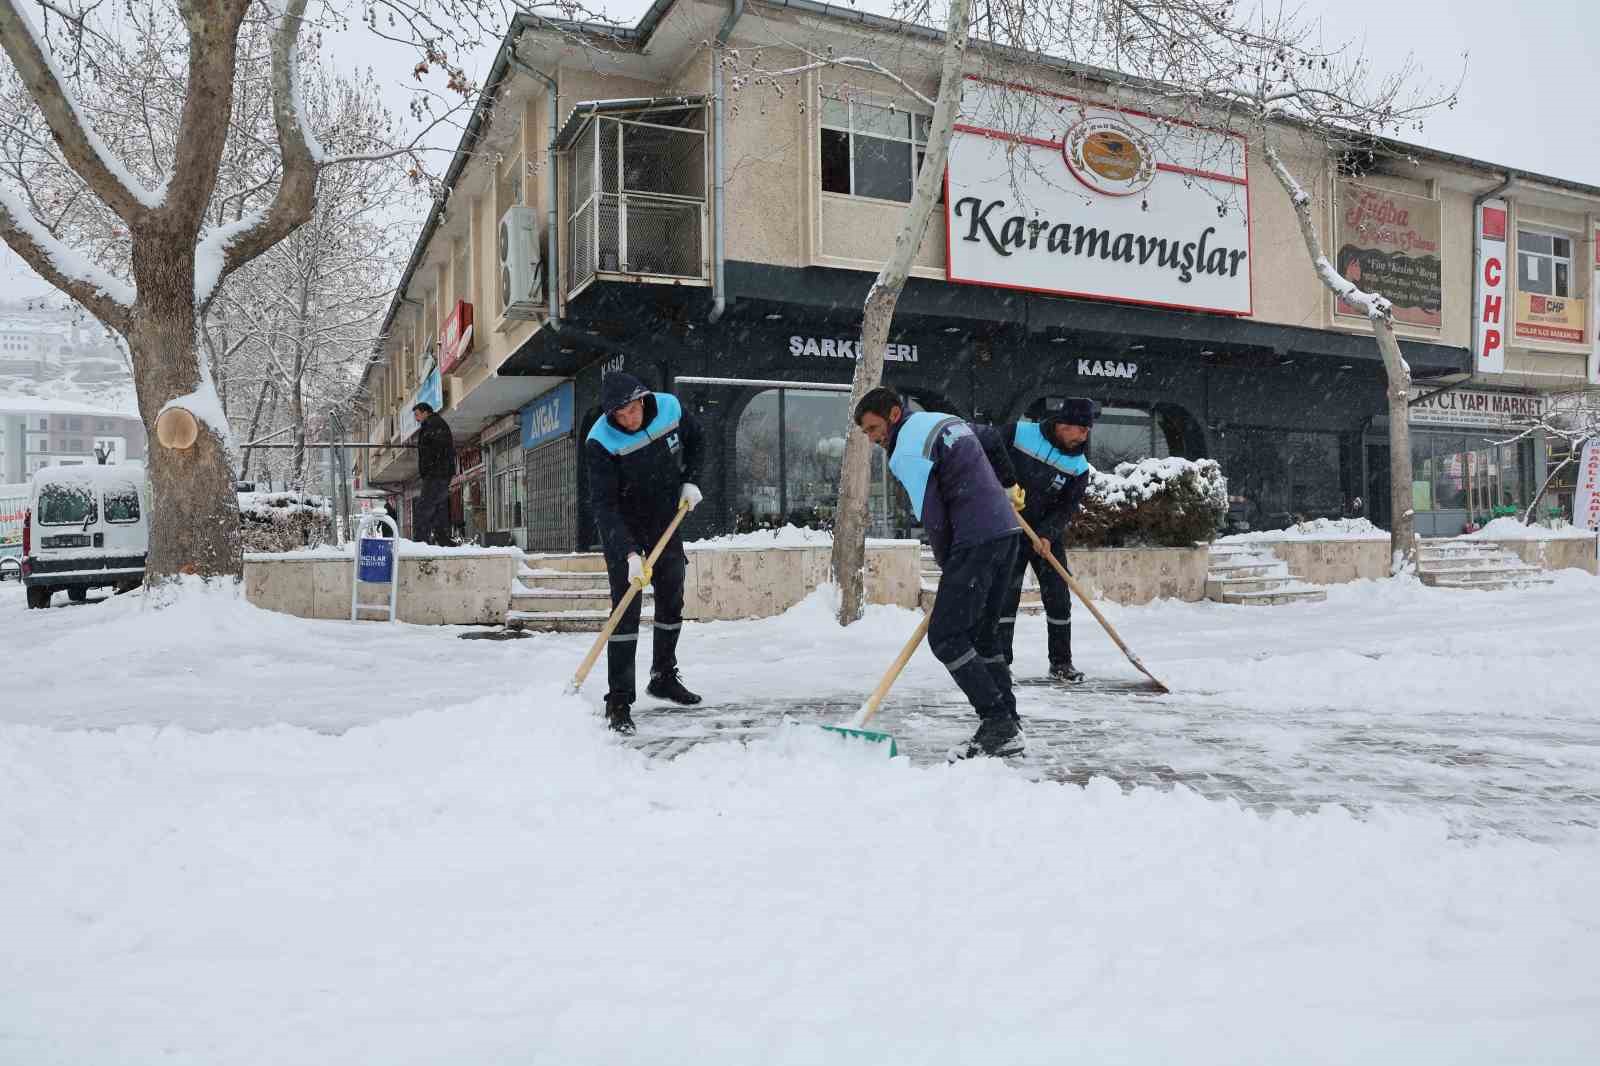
(1277, 478)
(1544, 263)
(506, 486)
(874, 151)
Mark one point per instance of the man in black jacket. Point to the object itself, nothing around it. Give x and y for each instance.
(1043, 467)
(642, 457)
(436, 465)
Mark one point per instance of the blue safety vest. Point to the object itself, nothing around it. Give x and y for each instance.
(912, 461)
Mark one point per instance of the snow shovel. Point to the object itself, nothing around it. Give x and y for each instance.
(1098, 617)
(870, 708)
(622, 605)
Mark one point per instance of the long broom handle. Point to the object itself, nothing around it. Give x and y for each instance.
(1087, 602)
(627, 598)
(870, 708)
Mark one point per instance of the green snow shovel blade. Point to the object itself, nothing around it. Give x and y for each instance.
(870, 708)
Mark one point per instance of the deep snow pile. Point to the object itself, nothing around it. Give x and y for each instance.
(1316, 529)
(478, 873)
(1508, 528)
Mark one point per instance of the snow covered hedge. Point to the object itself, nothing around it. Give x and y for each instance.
(1155, 502)
(284, 521)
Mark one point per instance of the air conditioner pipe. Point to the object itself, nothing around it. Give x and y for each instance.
(719, 259)
(551, 273)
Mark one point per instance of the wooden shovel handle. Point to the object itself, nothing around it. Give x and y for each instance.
(627, 597)
(870, 708)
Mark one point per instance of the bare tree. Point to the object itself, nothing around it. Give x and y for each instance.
(1572, 418)
(122, 126)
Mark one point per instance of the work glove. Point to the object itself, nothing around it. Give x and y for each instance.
(1018, 496)
(691, 495)
(638, 571)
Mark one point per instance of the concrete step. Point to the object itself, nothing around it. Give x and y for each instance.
(568, 600)
(566, 621)
(1270, 568)
(563, 579)
(1457, 550)
(1276, 597)
(1465, 562)
(1217, 589)
(582, 562)
(1486, 578)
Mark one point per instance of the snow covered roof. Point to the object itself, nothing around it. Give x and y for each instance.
(29, 405)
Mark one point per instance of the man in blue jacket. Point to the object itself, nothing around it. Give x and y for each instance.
(1043, 466)
(972, 529)
(642, 458)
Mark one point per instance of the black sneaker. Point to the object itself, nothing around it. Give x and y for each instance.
(669, 686)
(619, 719)
(1065, 672)
(998, 737)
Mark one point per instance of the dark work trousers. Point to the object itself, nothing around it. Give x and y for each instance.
(666, 579)
(432, 525)
(963, 632)
(1057, 604)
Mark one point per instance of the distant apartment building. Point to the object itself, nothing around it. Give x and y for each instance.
(37, 432)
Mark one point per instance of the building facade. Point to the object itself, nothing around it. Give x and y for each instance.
(1175, 290)
(36, 432)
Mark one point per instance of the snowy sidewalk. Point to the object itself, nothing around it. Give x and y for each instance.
(233, 837)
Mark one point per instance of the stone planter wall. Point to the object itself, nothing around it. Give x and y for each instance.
(1333, 562)
(459, 588)
(1566, 553)
(1139, 575)
(729, 583)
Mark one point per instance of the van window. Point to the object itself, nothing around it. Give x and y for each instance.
(66, 505)
(122, 504)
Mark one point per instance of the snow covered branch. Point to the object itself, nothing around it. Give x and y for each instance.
(1375, 307)
(819, 62)
(107, 298)
(81, 146)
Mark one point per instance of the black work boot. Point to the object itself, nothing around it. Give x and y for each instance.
(998, 736)
(619, 718)
(667, 685)
(1065, 672)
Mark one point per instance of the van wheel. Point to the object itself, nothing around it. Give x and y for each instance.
(38, 597)
(77, 595)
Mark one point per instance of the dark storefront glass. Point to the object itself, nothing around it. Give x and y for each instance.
(1277, 478)
(1460, 477)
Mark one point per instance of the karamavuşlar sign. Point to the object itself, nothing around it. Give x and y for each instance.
(1388, 243)
(1051, 194)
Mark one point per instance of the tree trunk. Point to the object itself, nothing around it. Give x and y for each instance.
(1402, 542)
(194, 513)
(297, 411)
(855, 474)
(255, 427)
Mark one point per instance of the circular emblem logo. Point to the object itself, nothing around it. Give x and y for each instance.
(1109, 156)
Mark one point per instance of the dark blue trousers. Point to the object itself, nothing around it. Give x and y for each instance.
(666, 580)
(964, 630)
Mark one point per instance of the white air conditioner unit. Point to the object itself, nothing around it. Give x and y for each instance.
(518, 248)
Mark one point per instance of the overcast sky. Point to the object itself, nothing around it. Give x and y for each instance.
(1530, 79)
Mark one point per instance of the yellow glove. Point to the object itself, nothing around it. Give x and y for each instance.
(1017, 496)
(638, 571)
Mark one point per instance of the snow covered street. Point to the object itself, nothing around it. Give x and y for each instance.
(1363, 830)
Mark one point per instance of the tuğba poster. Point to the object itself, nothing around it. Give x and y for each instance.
(1388, 243)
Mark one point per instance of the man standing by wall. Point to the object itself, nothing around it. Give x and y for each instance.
(436, 465)
(972, 529)
(1043, 466)
(642, 457)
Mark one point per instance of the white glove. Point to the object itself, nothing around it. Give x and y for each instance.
(691, 494)
(638, 573)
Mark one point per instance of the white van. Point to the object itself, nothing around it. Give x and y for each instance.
(86, 527)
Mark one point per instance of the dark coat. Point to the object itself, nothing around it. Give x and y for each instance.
(436, 448)
(1050, 477)
(635, 478)
(951, 481)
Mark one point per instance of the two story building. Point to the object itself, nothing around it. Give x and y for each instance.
(646, 200)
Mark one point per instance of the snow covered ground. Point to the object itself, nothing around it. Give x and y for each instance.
(1363, 830)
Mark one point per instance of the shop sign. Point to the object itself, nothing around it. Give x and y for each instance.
(1475, 407)
(500, 427)
(1551, 318)
(1107, 368)
(1051, 194)
(1586, 501)
(1489, 288)
(1594, 329)
(548, 417)
(1388, 243)
(846, 348)
(455, 339)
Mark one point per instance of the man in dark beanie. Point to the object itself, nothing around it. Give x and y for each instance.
(436, 465)
(972, 530)
(1044, 468)
(642, 458)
